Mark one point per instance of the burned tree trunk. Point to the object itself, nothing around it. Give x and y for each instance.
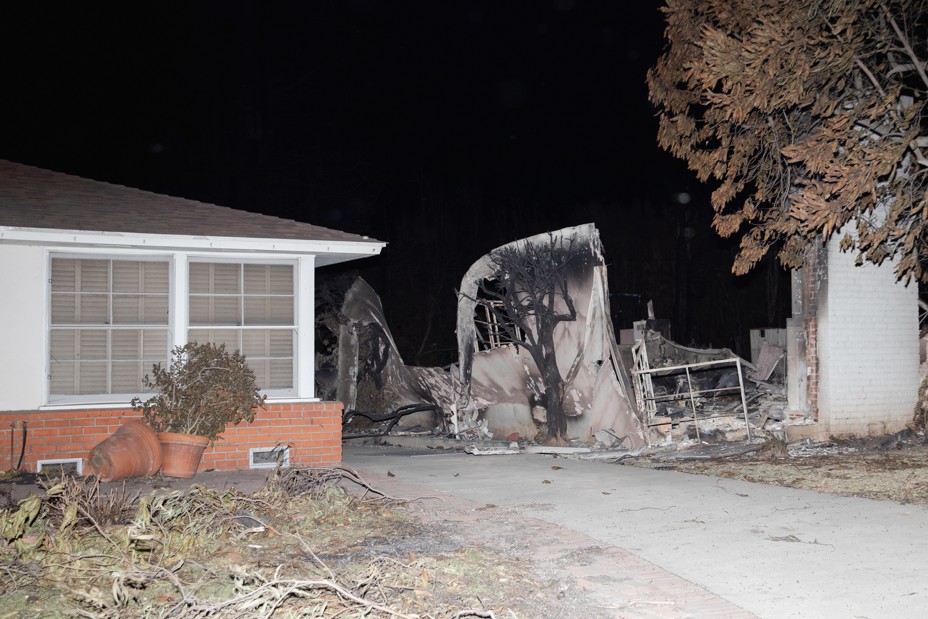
(554, 386)
(529, 298)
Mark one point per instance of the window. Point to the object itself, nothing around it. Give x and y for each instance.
(248, 307)
(109, 325)
(493, 327)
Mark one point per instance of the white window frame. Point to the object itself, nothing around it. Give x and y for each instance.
(178, 290)
(298, 290)
(54, 399)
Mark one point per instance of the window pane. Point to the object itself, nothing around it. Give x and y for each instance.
(127, 377)
(255, 343)
(215, 278)
(267, 343)
(256, 279)
(64, 275)
(154, 346)
(134, 309)
(154, 310)
(281, 343)
(91, 344)
(264, 279)
(236, 295)
(127, 344)
(215, 310)
(127, 276)
(281, 311)
(127, 310)
(93, 275)
(156, 277)
(269, 353)
(85, 309)
(98, 359)
(229, 337)
(268, 310)
(257, 311)
(280, 279)
(64, 377)
(281, 374)
(92, 377)
(199, 278)
(131, 276)
(259, 367)
(199, 310)
(226, 311)
(63, 344)
(92, 309)
(64, 309)
(226, 278)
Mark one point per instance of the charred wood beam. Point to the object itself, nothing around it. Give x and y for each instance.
(391, 419)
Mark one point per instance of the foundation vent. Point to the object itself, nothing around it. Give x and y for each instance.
(60, 468)
(268, 457)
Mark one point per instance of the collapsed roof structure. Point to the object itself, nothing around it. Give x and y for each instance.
(499, 387)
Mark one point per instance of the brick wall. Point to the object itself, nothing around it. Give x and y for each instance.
(865, 334)
(312, 430)
(815, 284)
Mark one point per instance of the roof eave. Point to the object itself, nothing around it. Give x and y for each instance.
(338, 251)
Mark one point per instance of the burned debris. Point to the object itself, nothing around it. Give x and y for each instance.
(538, 361)
(691, 393)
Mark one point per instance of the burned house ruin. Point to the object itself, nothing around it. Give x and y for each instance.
(538, 360)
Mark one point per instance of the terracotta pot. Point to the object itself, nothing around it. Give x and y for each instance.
(182, 453)
(132, 451)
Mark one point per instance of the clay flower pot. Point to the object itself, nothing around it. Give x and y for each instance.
(132, 451)
(182, 453)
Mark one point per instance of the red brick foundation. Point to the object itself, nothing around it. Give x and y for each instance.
(312, 431)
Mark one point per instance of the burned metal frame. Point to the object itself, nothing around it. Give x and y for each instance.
(644, 387)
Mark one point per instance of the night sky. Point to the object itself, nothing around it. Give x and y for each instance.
(445, 129)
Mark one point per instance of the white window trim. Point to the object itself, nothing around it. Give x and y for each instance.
(305, 362)
(297, 262)
(304, 348)
(103, 399)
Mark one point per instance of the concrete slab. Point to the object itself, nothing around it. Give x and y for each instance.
(777, 552)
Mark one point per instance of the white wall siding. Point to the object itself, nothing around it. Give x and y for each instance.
(23, 336)
(868, 348)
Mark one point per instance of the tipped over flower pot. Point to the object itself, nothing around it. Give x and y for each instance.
(132, 451)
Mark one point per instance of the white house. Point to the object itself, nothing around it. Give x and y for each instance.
(100, 281)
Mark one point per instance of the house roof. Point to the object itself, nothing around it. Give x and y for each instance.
(34, 198)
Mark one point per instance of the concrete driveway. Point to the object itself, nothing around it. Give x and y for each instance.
(775, 552)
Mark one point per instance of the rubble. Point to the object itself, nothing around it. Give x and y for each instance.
(705, 394)
(497, 389)
(613, 397)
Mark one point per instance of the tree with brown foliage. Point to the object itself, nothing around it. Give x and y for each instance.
(809, 115)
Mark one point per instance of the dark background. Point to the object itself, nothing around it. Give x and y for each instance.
(445, 129)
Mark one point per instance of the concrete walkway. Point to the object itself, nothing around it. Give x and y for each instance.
(776, 552)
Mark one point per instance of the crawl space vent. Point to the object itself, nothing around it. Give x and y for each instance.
(60, 468)
(268, 457)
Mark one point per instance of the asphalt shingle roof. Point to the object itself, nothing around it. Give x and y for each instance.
(31, 197)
